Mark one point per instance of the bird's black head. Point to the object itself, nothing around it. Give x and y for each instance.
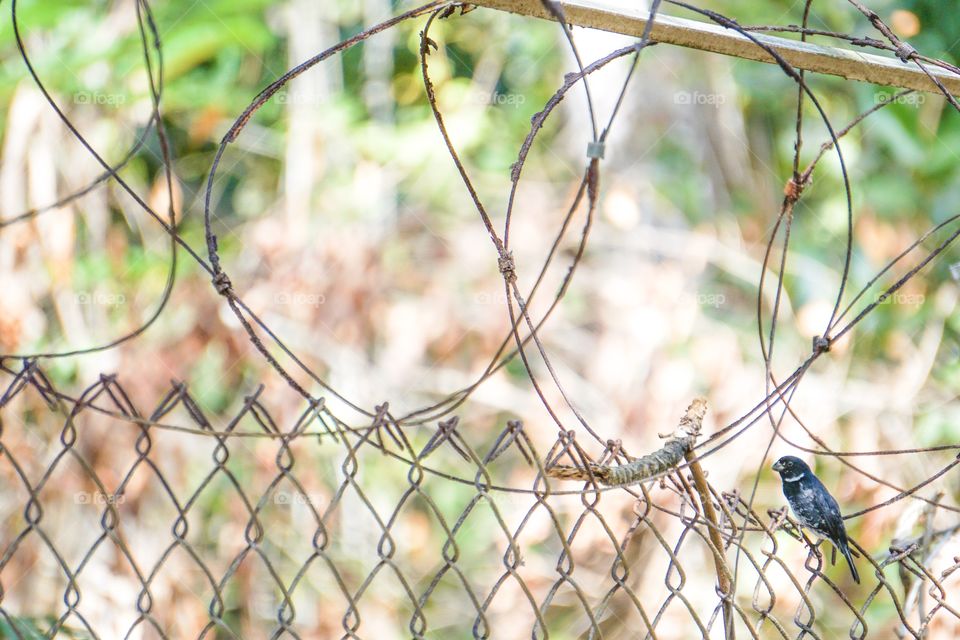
(791, 468)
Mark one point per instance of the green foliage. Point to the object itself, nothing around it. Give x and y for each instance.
(34, 629)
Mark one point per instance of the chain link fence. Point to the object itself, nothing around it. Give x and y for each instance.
(250, 528)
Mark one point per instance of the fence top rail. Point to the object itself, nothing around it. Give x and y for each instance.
(853, 65)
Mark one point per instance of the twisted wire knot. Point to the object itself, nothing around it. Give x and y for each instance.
(507, 266)
(221, 282)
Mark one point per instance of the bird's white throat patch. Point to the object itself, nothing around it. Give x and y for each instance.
(792, 478)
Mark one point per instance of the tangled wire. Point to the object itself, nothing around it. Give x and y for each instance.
(674, 512)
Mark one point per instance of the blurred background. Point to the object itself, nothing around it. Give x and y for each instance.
(343, 223)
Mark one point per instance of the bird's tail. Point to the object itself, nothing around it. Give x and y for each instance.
(845, 550)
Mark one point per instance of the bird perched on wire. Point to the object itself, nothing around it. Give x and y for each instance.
(813, 505)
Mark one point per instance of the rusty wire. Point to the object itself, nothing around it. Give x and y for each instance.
(553, 560)
(603, 547)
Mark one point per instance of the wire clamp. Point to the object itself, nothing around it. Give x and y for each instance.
(221, 282)
(905, 51)
(821, 344)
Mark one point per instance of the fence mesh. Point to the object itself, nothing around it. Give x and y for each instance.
(267, 530)
(417, 525)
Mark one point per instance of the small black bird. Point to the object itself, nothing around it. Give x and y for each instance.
(813, 505)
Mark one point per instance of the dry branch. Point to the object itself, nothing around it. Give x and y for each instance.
(678, 444)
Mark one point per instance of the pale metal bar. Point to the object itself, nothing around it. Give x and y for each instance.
(853, 65)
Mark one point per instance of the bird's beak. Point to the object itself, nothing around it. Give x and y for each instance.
(777, 466)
